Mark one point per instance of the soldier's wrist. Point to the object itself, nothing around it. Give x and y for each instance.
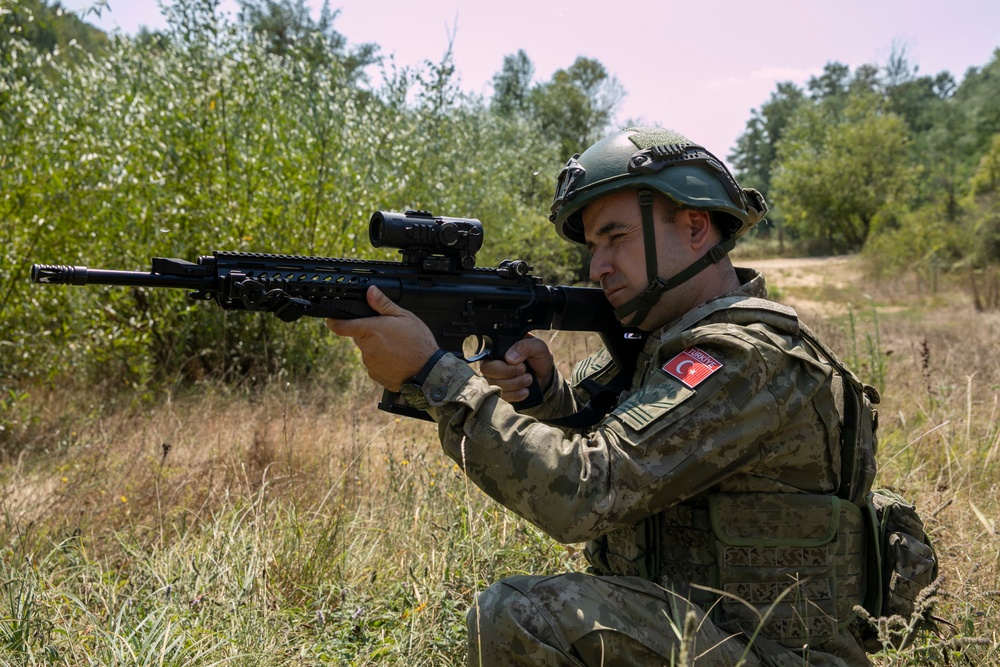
(421, 377)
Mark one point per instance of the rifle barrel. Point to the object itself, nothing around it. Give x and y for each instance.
(54, 274)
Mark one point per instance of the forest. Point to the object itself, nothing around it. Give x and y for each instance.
(272, 132)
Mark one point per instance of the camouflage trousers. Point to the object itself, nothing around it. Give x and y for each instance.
(580, 619)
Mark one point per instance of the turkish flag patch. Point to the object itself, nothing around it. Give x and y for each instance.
(692, 367)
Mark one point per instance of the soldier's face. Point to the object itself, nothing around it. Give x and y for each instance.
(612, 227)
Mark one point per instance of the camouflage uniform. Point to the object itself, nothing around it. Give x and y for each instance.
(727, 484)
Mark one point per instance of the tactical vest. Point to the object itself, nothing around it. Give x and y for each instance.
(790, 565)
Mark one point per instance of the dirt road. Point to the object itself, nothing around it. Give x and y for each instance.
(816, 285)
(808, 271)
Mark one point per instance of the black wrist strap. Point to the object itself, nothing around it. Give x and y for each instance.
(421, 377)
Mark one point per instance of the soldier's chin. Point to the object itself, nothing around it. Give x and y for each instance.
(649, 323)
(629, 321)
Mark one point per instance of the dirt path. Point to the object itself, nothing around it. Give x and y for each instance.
(802, 282)
(809, 271)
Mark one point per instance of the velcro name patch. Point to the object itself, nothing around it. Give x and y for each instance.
(692, 367)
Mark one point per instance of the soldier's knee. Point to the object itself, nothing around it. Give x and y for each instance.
(503, 622)
(492, 612)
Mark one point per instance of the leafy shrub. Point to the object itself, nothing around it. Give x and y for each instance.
(206, 139)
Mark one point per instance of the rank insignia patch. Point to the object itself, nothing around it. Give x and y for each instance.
(692, 367)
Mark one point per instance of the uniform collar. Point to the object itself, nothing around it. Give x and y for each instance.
(752, 284)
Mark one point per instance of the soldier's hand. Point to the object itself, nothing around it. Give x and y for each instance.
(395, 344)
(511, 373)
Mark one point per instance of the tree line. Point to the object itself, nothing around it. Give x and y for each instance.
(271, 132)
(885, 160)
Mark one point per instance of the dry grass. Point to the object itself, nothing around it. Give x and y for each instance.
(936, 360)
(297, 525)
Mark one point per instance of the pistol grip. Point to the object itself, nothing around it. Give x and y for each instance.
(534, 393)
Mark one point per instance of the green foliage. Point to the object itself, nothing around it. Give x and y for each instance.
(922, 241)
(984, 209)
(883, 159)
(756, 149)
(48, 28)
(512, 85)
(977, 106)
(986, 180)
(208, 137)
(575, 106)
(287, 26)
(840, 171)
(941, 235)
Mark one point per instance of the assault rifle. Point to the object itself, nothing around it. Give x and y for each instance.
(475, 313)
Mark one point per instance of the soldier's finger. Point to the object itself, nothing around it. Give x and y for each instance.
(526, 348)
(514, 396)
(513, 384)
(346, 328)
(382, 304)
(496, 369)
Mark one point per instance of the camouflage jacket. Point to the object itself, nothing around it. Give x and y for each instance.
(762, 420)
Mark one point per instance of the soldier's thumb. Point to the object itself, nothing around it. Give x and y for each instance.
(382, 304)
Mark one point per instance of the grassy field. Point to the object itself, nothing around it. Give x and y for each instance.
(296, 525)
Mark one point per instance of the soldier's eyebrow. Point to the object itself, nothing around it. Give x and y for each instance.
(605, 230)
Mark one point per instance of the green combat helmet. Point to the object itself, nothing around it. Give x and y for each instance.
(655, 160)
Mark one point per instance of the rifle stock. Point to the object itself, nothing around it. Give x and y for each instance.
(474, 313)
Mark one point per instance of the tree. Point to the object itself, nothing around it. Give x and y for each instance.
(512, 85)
(977, 102)
(985, 207)
(288, 25)
(841, 174)
(753, 158)
(574, 108)
(831, 84)
(577, 104)
(923, 103)
(918, 99)
(48, 27)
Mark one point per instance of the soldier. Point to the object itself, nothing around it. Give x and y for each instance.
(718, 499)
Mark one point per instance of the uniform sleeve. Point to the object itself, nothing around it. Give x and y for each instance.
(558, 400)
(564, 397)
(664, 443)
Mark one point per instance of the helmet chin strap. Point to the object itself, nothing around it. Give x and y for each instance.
(644, 302)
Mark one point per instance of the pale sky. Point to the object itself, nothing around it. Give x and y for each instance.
(696, 67)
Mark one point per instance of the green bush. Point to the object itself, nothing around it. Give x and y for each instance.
(204, 139)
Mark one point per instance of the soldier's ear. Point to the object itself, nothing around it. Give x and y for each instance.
(699, 228)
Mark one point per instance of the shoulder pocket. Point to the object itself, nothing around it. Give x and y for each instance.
(649, 403)
(598, 367)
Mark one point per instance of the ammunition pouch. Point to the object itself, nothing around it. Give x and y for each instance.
(791, 566)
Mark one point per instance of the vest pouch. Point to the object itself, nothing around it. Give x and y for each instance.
(904, 563)
(789, 565)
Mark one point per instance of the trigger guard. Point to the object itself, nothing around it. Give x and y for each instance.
(477, 357)
(485, 352)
